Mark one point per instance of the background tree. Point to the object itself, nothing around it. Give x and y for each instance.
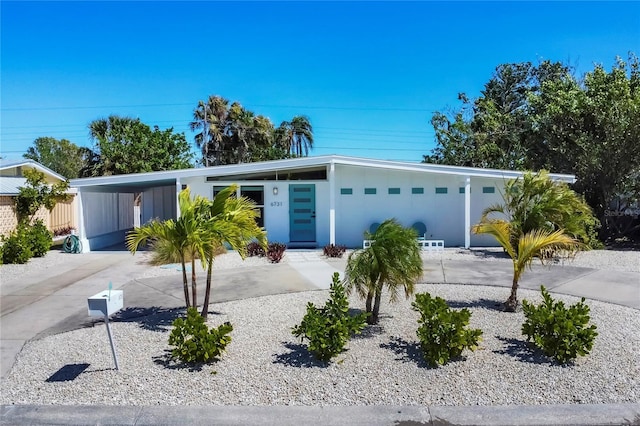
(296, 136)
(535, 117)
(592, 129)
(61, 156)
(392, 260)
(230, 134)
(126, 145)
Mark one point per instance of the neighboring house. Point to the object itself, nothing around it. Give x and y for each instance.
(306, 202)
(12, 178)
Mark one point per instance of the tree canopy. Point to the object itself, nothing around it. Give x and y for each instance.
(532, 117)
(61, 156)
(236, 135)
(126, 145)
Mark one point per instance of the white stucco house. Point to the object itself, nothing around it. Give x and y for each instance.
(306, 202)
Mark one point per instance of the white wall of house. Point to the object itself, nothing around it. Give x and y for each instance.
(480, 200)
(159, 203)
(106, 217)
(443, 214)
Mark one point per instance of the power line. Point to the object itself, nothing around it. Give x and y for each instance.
(327, 107)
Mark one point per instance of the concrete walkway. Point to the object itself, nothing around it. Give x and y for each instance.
(54, 301)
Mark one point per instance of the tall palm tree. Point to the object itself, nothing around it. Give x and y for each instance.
(211, 116)
(181, 236)
(393, 260)
(296, 135)
(536, 243)
(227, 220)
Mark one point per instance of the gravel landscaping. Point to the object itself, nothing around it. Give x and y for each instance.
(266, 365)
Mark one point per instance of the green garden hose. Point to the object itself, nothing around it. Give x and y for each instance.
(72, 244)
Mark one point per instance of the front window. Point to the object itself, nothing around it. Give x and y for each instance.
(255, 193)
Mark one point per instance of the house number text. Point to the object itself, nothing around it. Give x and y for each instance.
(276, 203)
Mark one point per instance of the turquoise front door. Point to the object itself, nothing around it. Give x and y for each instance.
(302, 213)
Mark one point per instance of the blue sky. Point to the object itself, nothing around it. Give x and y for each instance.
(368, 74)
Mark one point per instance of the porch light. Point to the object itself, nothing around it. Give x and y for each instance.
(275, 190)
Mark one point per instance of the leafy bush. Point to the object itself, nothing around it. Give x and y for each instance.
(194, 342)
(332, 250)
(561, 333)
(255, 249)
(16, 248)
(328, 329)
(40, 238)
(442, 331)
(275, 251)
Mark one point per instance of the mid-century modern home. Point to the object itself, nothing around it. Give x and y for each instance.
(306, 202)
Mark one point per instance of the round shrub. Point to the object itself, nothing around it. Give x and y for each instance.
(16, 248)
(40, 238)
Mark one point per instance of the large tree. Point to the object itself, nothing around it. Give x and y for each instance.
(591, 128)
(126, 145)
(228, 133)
(535, 117)
(296, 135)
(61, 156)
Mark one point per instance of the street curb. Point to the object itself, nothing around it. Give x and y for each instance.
(520, 415)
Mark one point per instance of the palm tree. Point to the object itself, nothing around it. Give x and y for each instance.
(536, 243)
(537, 202)
(393, 260)
(227, 220)
(211, 117)
(183, 236)
(296, 135)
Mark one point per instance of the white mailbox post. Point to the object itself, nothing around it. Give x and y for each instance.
(104, 304)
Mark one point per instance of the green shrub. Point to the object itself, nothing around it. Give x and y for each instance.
(332, 250)
(561, 333)
(16, 248)
(328, 329)
(40, 238)
(275, 252)
(442, 331)
(194, 342)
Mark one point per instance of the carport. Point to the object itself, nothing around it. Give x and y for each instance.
(110, 206)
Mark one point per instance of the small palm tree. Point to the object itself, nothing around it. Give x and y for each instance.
(182, 237)
(393, 260)
(534, 201)
(229, 220)
(537, 243)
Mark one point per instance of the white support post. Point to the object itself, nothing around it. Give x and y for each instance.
(178, 189)
(82, 230)
(467, 212)
(332, 203)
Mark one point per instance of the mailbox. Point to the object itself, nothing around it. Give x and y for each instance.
(105, 303)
